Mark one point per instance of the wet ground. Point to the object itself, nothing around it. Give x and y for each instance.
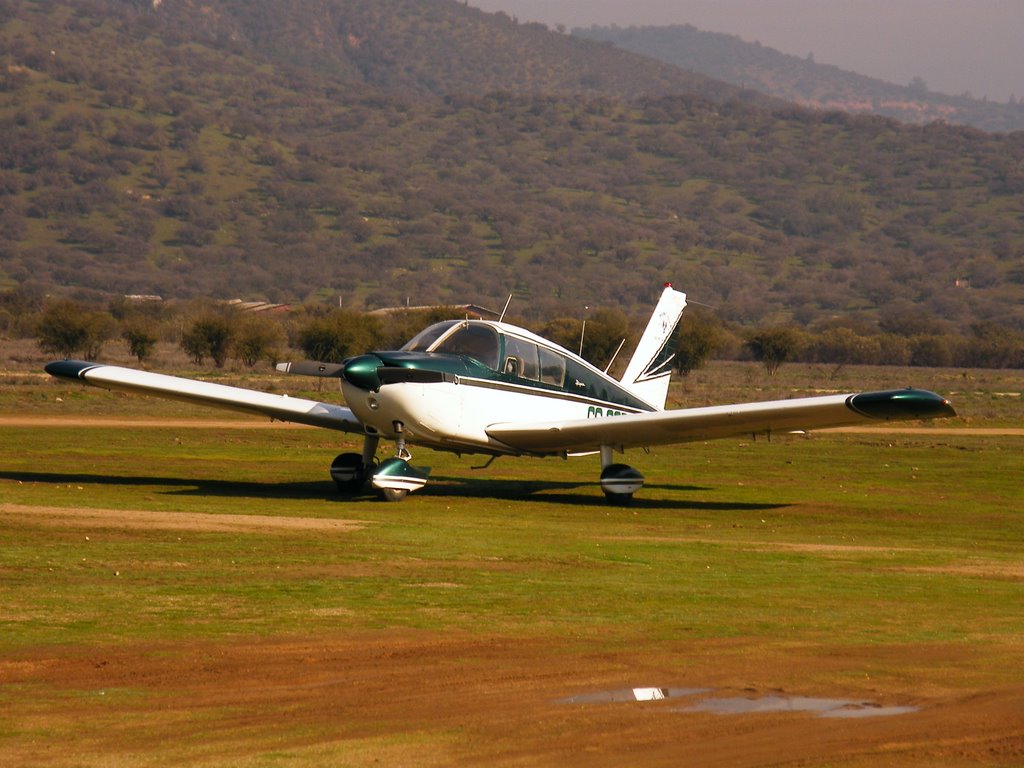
(743, 705)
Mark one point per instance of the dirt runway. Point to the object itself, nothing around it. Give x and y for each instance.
(419, 699)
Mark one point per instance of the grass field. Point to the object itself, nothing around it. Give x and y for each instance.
(200, 596)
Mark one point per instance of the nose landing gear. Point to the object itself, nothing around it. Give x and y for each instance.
(391, 479)
(396, 477)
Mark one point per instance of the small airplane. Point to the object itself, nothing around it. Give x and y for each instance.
(486, 387)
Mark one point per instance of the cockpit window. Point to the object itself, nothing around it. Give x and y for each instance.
(477, 341)
(422, 340)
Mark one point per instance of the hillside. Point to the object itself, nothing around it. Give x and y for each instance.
(204, 149)
(802, 80)
(417, 48)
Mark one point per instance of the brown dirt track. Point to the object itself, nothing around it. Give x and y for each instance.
(408, 699)
(423, 699)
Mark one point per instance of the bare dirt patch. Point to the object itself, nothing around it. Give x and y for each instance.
(428, 699)
(133, 519)
(1007, 571)
(82, 422)
(762, 546)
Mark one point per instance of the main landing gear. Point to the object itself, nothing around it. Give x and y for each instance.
(391, 479)
(618, 481)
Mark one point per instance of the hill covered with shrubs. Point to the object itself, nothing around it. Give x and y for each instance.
(391, 151)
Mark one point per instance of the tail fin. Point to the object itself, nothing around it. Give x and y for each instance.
(648, 373)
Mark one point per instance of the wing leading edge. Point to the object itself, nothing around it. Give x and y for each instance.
(280, 407)
(694, 424)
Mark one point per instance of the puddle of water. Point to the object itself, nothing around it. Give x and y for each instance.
(843, 708)
(633, 694)
(869, 710)
(834, 708)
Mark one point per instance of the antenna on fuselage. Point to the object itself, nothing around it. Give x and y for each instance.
(583, 328)
(614, 355)
(505, 308)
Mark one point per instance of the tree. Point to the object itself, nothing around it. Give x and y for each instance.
(930, 350)
(605, 330)
(332, 337)
(843, 346)
(141, 338)
(772, 347)
(564, 331)
(67, 328)
(209, 335)
(258, 337)
(697, 339)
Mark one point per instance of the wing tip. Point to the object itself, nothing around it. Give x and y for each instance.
(901, 404)
(69, 369)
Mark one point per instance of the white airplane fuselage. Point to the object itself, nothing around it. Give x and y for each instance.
(457, 378)
(454, 415)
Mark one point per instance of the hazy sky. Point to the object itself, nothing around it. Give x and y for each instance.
(955, 45)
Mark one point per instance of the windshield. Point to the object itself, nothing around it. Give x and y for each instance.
(469, 339)
(477, 341)
(422, 340)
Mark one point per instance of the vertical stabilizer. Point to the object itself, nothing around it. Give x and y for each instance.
(648, 373)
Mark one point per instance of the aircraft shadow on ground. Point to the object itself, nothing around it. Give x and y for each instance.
(589, 494)
(552, 492)
(188, 486)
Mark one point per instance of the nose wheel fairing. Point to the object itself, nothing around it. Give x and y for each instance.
(396, 477)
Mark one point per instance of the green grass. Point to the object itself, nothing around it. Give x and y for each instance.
(837, 539)
(883, 565)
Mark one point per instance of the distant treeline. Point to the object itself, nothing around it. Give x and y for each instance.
(212, 333)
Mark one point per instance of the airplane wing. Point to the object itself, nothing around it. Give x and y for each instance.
(697, 424)
(280, 407)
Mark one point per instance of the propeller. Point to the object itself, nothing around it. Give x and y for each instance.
(313, 368)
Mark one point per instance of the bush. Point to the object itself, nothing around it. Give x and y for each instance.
(773, 346)
(699, 337)
(338, 334)
(209, 335)
(258, 337)
(66, 328)
(141, 337)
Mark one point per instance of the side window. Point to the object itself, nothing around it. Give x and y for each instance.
(552, 367)
(521, 358)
